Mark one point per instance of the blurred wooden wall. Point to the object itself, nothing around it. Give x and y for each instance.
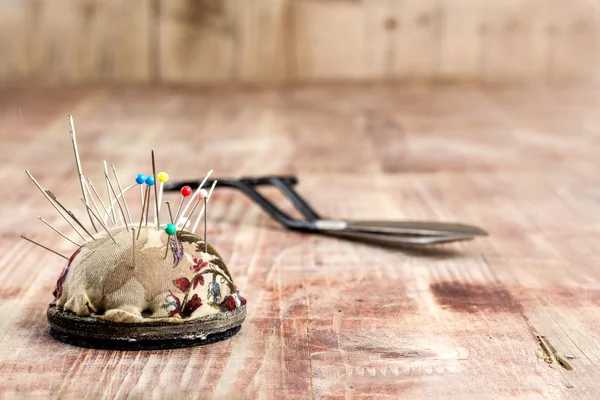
(205, 41)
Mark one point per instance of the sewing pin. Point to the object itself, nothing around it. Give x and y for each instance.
(110, 202)
(55, 206)
(142, 216)
(78, 164)
(205, 212)
(168, 203)
(57, 231)
(201, 195)
(99, 220)
(156, 208)
(106, 212)
(122, 194)
(195, 194)
(140, 179)
(185, 192)
(112, 189)
(198, 195)
(162, 177)
(44, 247)
(69, 213)
(149, 183)
(170, 230)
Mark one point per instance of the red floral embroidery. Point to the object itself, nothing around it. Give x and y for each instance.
(243, 300)
(191, 306)
(177, 305)
(182, 284)
(198, 265)
(199, 279)
(229, 303)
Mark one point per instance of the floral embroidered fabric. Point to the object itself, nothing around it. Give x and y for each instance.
(102, 279)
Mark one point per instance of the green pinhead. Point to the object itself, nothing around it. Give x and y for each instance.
(170, 229)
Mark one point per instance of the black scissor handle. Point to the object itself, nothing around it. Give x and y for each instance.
(246, 186)
(289, 180)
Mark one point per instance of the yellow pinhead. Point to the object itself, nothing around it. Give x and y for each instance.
(163, 177)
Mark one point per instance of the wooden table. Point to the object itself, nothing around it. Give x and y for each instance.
(513, 315)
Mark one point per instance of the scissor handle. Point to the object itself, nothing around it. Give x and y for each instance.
(247, 186)
(252, 181)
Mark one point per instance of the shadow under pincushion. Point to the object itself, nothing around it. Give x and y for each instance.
(106, 284)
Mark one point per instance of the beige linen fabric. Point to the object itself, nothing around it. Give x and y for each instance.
(101, 279)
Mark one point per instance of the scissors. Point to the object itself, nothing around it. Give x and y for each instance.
(383, 232)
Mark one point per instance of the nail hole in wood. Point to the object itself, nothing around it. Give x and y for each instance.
(390, 24)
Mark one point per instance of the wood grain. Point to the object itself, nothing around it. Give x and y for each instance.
(73, 40)
(327, 318)
(274, 41)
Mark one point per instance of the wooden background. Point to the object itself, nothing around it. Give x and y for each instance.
(208, 41)
(515, 315)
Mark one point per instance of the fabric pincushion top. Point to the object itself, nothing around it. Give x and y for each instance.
(138, 284)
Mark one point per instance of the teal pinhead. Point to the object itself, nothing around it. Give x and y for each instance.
(170, 229)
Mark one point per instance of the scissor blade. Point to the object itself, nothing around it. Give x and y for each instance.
(421, 228)
(398, 239)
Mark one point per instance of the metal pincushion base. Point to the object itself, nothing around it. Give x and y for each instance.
(93, 332)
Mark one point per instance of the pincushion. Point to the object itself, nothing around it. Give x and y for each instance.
(102, 279)
(143, 285)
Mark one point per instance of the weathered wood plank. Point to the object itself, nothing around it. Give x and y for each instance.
(197, 40)
(514, 315)
(210, 41)
(330, 41)
(74, 41)
(263, 40)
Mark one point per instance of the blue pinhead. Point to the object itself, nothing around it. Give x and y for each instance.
(150, 180)
(140, 179)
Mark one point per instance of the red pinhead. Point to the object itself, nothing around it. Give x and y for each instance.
(186, 191)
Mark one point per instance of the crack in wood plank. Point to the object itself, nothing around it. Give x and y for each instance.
(551, 355)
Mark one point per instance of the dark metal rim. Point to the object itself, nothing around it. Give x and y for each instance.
(95, 328)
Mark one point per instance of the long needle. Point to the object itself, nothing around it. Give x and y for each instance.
(78, 164)
(122, 194)
(112, 189)
(100, 221)
(133, 229)
(195, 194)
(110, 203)
(156, 216)
(69, 212)
(44, 247)
(55, 206)
(57, 231)
(92, 198)
(101, 202)
(168, 203)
